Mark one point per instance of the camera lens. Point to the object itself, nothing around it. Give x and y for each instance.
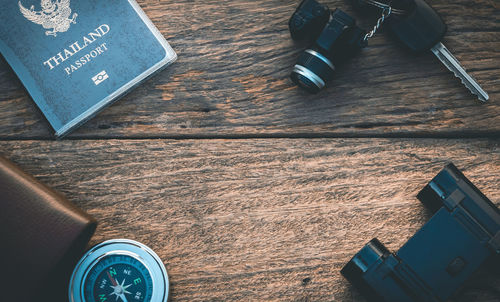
(312, 71)
(339, 40)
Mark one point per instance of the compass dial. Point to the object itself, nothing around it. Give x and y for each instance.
(118, 278)
(119, 270)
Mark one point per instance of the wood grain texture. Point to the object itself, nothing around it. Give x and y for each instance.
(259, 220)
(231, 79)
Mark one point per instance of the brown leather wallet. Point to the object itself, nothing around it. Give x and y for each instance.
(42, 235)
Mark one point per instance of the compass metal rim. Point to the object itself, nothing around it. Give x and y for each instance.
(131, 248)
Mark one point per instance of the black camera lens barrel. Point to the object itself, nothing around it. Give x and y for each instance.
(312, 71)
(338, 40)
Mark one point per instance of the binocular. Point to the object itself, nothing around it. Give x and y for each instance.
(462, 236)
(334, 37)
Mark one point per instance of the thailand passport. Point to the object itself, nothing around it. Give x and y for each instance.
(76, 57)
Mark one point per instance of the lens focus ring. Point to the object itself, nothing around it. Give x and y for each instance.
(312, 71)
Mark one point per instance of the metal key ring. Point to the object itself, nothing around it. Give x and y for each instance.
(381, 5)
(386, 12)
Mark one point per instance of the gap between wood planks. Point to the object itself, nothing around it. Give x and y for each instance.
(422, 135)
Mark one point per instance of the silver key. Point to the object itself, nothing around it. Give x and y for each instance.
(445, 56)
(413, 29)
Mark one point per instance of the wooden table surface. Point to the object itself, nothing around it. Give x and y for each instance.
(250, 189)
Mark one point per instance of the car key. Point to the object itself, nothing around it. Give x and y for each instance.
(420, 28)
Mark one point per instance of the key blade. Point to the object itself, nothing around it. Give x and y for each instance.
(445, 56)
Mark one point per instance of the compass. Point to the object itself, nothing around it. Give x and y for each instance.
(119, 270)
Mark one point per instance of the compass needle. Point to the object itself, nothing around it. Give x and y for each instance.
(124, 299)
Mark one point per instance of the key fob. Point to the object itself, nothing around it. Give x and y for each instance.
(420, 29)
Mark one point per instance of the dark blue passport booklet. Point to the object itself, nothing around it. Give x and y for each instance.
(76, 57)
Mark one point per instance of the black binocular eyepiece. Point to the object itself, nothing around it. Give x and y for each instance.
(334, 36)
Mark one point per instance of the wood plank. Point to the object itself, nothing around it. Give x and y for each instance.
(231, 79)
(264, 219)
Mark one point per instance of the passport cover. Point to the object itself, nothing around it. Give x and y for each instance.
(76, 57)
